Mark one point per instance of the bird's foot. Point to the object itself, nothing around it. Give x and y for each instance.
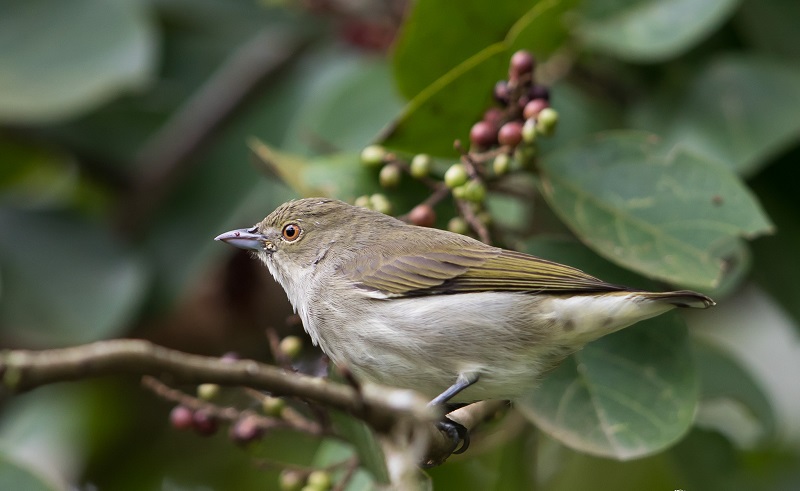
(457, 432)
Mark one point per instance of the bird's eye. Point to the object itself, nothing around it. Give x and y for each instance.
(291, 232)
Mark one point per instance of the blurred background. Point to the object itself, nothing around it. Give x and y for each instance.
(127, 130)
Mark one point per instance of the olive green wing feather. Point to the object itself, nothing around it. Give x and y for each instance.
(444, 263)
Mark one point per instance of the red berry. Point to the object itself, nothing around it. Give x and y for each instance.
(204, 423)
(521, 65)
(501, 92)
(493, 116)
(181, 418)
(510, 134)
(422, 215)
(483, 134)
(246, 430)
(533, 108)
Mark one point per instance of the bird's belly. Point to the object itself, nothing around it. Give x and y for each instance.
(424, 343)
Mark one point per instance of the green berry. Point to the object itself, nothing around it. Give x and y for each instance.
(207, 391)
(529, 131)
(319, 480)
(421, 165)
(362, 201)
(475, 191)
(501, 164)
(460, 192)
(380, 203)
(273, 406)
(389, 176)
(546, 121)
(373, 155)
(455, 176)
(291, 346)
(458, 225)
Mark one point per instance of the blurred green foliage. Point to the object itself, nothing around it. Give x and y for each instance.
(134, 131)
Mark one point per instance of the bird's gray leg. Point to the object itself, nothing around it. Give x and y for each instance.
(456, 431)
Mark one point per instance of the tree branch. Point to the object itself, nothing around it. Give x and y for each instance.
(388, 411)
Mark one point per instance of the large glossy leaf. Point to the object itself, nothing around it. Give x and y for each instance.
(656, 209)
(650, 30)
(739, 110)
(66, 281)
(440, 34)
(446, 108)
(722, 378)
(62, 58)
(626, 395)
(16, 476)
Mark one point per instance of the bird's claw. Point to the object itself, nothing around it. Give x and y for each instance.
(457, 432)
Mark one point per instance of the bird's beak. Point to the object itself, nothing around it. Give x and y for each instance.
(243, 238)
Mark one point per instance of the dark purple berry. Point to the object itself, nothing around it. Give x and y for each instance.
(483, 134)
(521, 65)
(501, 92)
(204, 423)
(493, 116)
(539, 92)
(510, 134)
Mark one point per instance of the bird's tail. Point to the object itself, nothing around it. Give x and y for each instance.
(682, 298)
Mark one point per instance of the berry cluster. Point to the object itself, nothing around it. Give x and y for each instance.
(502, 142)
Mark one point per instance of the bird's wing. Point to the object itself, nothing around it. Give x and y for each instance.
(411, 269)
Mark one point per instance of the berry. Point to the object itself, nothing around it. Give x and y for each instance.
(534, 107)
(421, 165)
(422, 215)
(460, 192)
(458, 225)
(389, 176)
(181, 417)
(524, 156)
(501, 92)
(475, 191)
(204, 422)
(483, 134)
(547, 120)
(272, 406)
(380, 203)
(539, 92)
(207, 391)
(501, 164)
(246, 430)
(319, 480)
(521, 65)
(529, 131)
(510, 134)
(291, 346)
(373, 155)
(455, 176)
(362, 201)
(493, 116)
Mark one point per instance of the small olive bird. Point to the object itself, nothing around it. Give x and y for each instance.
(434, 311)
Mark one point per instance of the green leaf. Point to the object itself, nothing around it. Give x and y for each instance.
(16, 476)
(66, 281)
(359, 435)
(658, 210)
(739, 110)
(60, 59)
(626, 395)
(721, 377)
(650, 30)
(439, 34)
(445, 110)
